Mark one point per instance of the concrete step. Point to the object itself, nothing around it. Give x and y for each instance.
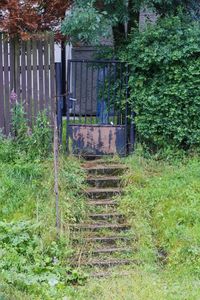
(106, 263)
(104, 182)
(97, 227)
(107, 216)
(109, 250)
(107, 240)
(102, 205)
(97, 193)
(107, 170)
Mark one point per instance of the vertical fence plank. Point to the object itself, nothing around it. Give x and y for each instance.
(7, 88)
(17, 68)
(46, 74)
(52, 77)
(12, 65)
(1, 87)
(41, 77)
(23, 72)
(29, 83)
(35, 78)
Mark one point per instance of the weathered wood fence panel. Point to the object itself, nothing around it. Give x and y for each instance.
(28, 69)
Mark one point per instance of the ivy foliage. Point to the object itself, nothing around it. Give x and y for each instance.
(165, 83)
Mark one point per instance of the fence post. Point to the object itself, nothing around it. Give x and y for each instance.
(2, 121)
(59, 98)
(56, 176)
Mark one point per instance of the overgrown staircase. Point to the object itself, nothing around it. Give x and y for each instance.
(105, 239)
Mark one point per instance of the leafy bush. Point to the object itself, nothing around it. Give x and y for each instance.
(165, 83)
(35, 142)
(30, 265)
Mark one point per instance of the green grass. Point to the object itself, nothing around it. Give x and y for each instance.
(28, 244)
(141, 285)
(161, 202)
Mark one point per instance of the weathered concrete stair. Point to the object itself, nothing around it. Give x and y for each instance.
(104, 237)
(106, 170)
(104, 182)
(110, 240)
(109, 250)
(103, 202)
(96, 227)
(103, 193)
(106, 216)
(106, 263)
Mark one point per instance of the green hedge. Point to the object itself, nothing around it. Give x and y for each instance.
(165, 83)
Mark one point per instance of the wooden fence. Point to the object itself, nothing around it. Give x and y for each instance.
(27, 68)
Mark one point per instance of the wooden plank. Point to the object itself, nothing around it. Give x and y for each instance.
(1, 87)
(35, 78)
(12, 65)
(7, 89)
(29, 83)
(23, 72)
(41, 76)
(17, 68)
(46, 74)
(52, 78)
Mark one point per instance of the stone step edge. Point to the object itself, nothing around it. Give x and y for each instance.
(100, 226)
(102, 202)
(107, 250)
(103, 190)
(108, 262)
(106, 215)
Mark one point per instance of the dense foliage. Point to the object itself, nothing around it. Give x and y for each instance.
(90, 20)
(164, 83)
(171, 7)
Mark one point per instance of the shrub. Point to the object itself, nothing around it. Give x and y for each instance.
(35, 142)
(31, 266)
(164, 83)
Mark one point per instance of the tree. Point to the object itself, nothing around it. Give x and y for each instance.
(23, 17)
(118, 13)
(171, 7)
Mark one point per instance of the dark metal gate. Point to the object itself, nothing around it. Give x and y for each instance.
(98, 116)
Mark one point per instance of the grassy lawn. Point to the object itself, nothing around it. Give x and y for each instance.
(161, 201)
